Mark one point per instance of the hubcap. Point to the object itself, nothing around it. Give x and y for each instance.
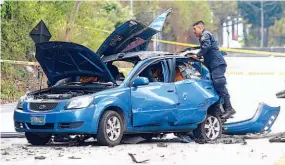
(113, 128)
(212, 127)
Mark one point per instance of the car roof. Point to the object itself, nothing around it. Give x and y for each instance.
(140, 56)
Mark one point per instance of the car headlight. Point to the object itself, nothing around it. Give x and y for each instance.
(79, 102)
(21, 102)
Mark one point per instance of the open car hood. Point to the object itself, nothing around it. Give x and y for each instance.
(64, 59)
(132, 36)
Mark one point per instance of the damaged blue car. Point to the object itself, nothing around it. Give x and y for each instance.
(88, 95)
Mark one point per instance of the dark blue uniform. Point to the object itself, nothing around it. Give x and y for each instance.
(216, 64)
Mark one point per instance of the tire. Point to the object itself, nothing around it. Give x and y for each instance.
(207, 131)
(37, 138)
(110, 131)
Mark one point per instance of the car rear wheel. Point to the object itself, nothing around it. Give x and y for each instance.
(37, 138)
(210, 129)
(110, 130)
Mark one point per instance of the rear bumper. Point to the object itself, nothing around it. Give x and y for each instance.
(63, 121)
(263, 120)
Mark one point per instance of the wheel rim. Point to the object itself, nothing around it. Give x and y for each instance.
(212, 127)
(113, 128)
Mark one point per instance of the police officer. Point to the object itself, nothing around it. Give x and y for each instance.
(216, 64)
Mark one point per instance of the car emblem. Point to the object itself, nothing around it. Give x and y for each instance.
(42, 106)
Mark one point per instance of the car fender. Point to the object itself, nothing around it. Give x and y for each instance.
(107, 102)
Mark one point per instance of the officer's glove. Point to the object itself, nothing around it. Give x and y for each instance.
(223, 53)
(187, 49)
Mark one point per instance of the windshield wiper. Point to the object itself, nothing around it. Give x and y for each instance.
(88, 83)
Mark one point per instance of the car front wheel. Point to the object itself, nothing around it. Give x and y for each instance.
(37, 138)
(210, 129)
(110, 130)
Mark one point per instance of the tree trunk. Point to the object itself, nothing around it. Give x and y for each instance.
(266, 37)
(258, 38)
(220, 32)
(245, 37)
(71, 23)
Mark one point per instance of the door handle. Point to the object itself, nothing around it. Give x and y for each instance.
(170, 90)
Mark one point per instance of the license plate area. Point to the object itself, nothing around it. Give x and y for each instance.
(38, 120)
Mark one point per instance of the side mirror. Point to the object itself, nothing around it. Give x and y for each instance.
(139, 81)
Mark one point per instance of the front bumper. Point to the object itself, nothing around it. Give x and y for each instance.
(58, 121)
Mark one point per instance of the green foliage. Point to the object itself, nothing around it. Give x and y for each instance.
(19, 17)
(178, 25)
(9, 90)
(278, 30)
(93, 17)
(251, 11)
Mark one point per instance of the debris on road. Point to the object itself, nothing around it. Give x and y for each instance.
(280, 137)
(244, 143)
(5, 153)
(161, 145)
(73, 157)
(58, 148)
(280, 94)
(135, 160)
(183, 138)
(132, 139)
(40, 157)
(12, 135)
(263, 156)
(231, 140)
(225, 139)
(31, 153)
(277, 139)
(24, 148)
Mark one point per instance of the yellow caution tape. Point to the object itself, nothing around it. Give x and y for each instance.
(128, 69)
(19, 62)
(225, 49)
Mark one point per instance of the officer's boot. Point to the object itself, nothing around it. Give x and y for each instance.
(229, 111)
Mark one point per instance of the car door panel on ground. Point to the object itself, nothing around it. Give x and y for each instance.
(155, 103)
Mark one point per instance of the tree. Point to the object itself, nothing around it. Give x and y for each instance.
(251, 11)
(222, 10)
(278, 30)
(71, 20)
(178, 26)
(179, 23)
(96, 20)
(18, 19)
